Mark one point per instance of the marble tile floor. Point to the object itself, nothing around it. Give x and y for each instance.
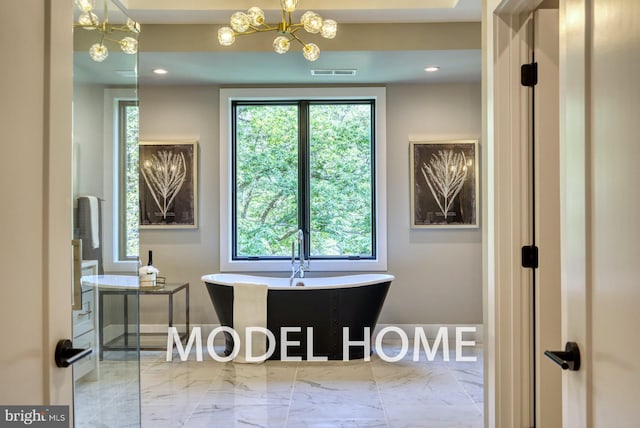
(277, 394)
(332, 394)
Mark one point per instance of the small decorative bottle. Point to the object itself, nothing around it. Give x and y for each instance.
(148, 273)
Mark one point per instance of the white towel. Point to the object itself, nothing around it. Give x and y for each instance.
(94, 215)
(250, 310)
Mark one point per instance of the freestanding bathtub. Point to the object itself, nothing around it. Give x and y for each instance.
(327, 304)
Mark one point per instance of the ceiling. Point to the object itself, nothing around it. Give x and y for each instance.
(399, 56)
(343, 11)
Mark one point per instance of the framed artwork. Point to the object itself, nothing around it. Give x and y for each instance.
(444, 184)
(168, 185)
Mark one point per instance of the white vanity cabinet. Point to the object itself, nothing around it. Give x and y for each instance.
(84, 324)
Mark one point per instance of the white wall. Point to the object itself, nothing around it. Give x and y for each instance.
(439, 272)
(88, 142)
(184, 113)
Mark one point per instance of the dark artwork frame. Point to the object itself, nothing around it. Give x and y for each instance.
(444, 184)
(168, 185)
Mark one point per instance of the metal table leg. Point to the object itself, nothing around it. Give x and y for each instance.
(126, 319)
(100, 325)
(170, 310)
(187, 309)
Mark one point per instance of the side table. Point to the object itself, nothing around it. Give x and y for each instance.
(126, 286)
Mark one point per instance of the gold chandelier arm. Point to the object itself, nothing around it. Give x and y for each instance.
(293, 34)
(295, 27)
(267, 27)
(264, 29)
(122, 28)
(254, 30)
(105, 27)
(110, 40)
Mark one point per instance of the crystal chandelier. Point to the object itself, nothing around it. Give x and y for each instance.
(253, 22)
(88, 20)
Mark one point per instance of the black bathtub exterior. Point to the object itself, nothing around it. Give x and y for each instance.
(327, 310)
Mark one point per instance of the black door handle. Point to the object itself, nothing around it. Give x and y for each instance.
(569, 359)
(66, 354)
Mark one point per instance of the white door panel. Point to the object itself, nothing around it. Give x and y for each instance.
(601, 292)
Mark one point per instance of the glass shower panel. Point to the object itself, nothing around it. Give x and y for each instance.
(105, 139)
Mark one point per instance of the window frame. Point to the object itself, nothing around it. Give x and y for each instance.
(267, 264)
(304, 200)
(121, 254)
(111, 181)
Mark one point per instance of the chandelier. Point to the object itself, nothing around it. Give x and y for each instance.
(88, 20)
(253, 22)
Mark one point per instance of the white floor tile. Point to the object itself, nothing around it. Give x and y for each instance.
(332, 394)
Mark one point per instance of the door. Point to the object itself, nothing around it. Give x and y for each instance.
(523, 312)
(600, 64)
(540, 78)
(104, 176)
(546, 296)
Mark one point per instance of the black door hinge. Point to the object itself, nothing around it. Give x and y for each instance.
(529, 74)
(530, 256)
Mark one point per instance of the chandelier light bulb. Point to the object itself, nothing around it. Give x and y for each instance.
(226, 36)
(98, 52)
(133, 26)
(129, 45)
(281, 44)
(311, 51)
(312, 22)
(88, 20)
(84, 5)
(329, 29)
(256, 15)
(306, 16)
(240, 22)
(289, 5)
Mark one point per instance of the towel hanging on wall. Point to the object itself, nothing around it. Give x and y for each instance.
(88, 223)
(93, 215)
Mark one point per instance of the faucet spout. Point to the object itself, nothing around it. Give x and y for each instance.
(301, 252)
(302, 264)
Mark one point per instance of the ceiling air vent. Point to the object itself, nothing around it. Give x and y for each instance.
(344, 72)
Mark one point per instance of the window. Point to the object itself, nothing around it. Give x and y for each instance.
(128, 214)
(310, 163)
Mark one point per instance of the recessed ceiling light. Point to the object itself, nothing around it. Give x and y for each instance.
(431, 69)
(160, 71)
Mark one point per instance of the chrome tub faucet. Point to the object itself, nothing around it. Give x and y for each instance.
(302, 264)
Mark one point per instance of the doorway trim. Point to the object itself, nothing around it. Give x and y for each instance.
(507, 301)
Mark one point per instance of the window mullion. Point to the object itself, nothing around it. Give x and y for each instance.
(304, 186)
